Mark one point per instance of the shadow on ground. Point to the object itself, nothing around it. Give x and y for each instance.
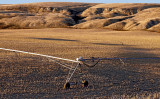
(55, 39)
(108, 44)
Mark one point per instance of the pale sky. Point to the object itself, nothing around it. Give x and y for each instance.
(90, 1)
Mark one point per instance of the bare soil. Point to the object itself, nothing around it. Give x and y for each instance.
(28, 76)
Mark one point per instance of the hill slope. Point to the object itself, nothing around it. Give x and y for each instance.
(40, 15)
(120, 16)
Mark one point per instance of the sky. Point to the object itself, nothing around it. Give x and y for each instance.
(89, 1)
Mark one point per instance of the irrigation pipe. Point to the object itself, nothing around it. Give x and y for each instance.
(18, 51)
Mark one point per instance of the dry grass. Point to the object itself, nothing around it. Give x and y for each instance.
(122, 16)
(40, 15)
(131, 14)
(33, 6)
(105, 42)
(36, 77)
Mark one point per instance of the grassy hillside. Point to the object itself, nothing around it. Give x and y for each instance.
(41, 15)
(118, 16)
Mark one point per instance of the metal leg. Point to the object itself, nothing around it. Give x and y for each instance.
(71, 72)
(17, 55)
(121, 61)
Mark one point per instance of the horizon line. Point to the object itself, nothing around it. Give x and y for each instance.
(74, 2)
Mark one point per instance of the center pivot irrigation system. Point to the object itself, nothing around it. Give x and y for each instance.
(79, 61)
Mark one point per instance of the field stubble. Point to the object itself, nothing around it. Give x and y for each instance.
(31, 76)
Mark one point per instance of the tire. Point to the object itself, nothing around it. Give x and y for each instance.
(84, 83)
(67, 85)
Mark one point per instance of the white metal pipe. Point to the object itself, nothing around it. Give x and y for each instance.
(40, 55)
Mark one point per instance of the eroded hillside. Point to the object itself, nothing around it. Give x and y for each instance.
(125, 16)
(41, 15)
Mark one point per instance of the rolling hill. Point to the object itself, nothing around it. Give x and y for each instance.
(118, 16)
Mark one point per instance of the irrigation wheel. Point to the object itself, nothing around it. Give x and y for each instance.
(67, 85)
(84, 83)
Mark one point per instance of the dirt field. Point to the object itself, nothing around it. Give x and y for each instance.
(28, 76)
